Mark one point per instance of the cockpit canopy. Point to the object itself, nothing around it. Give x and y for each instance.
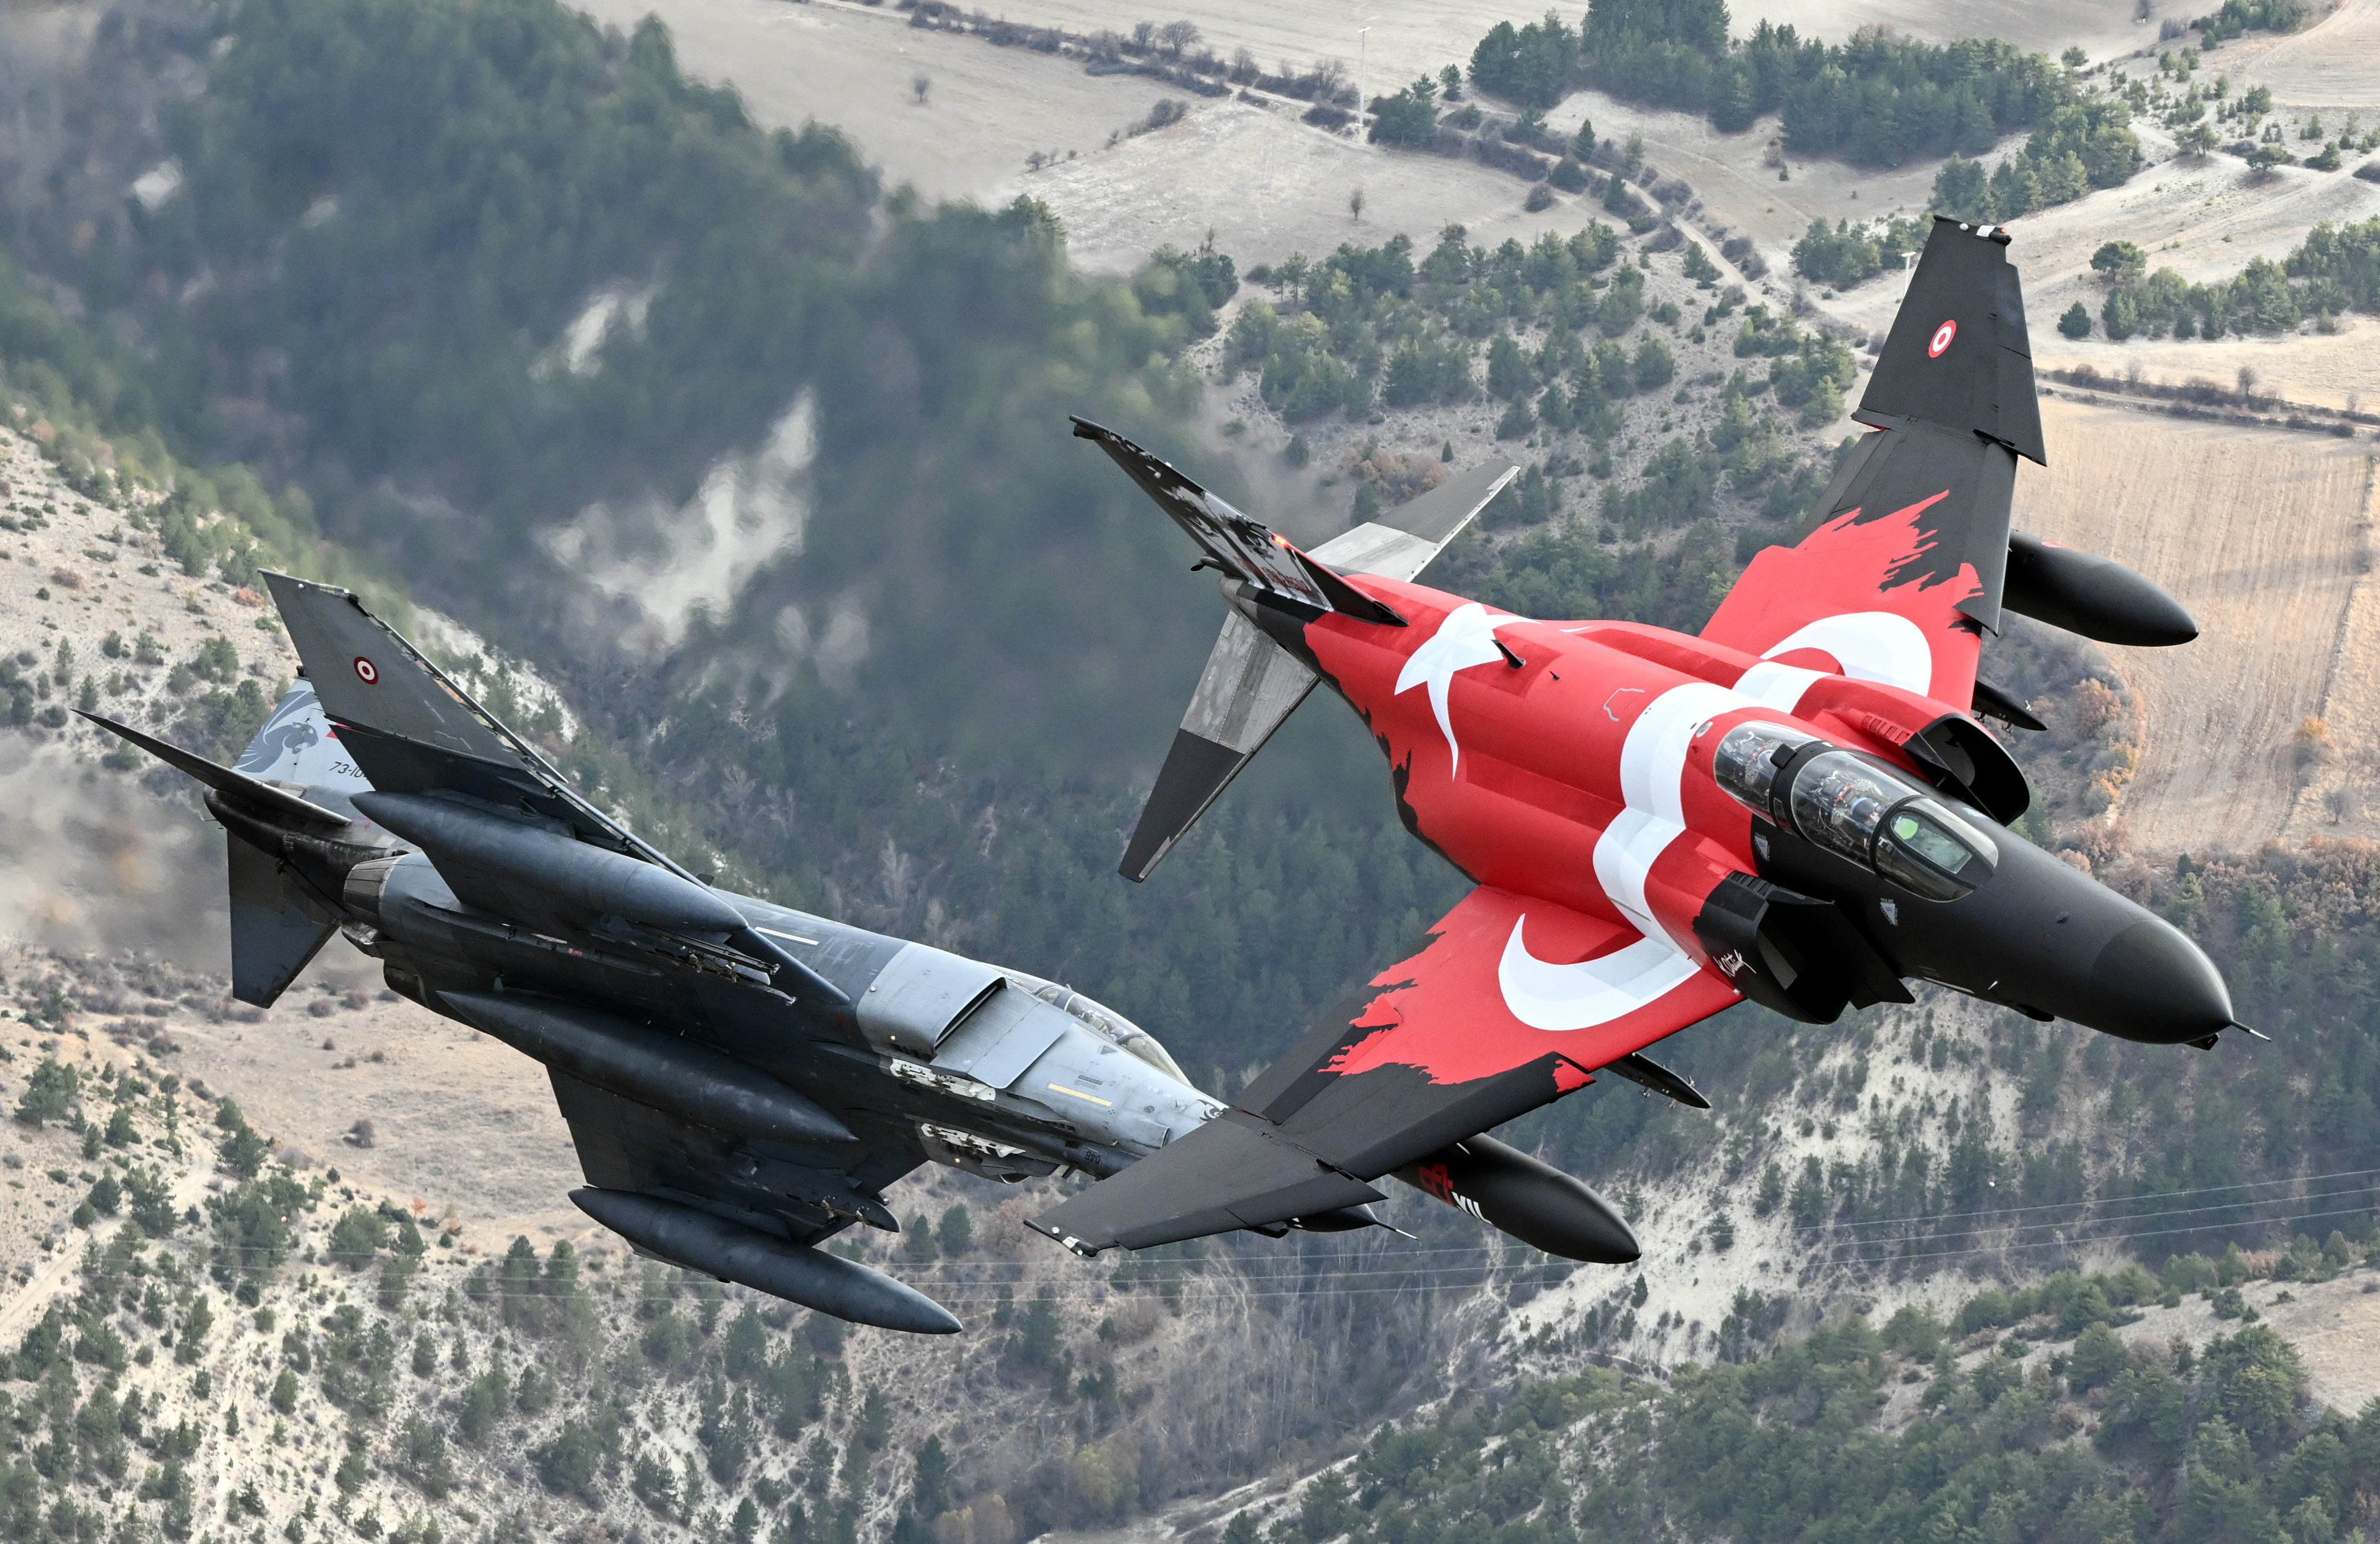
(1856, 807)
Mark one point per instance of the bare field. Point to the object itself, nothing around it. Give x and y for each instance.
(2260, 534)
(2340, 796)
(460, 1120)
(2327, 65)
(854, 67)
(2341, 370)
(2335, 1325)
(1408, 40)
(2204, 221)
(1267, 185)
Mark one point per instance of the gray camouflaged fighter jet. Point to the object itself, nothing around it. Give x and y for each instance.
(742, 1081)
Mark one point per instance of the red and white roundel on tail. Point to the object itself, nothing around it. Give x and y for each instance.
(367, 672)
(1942, 337)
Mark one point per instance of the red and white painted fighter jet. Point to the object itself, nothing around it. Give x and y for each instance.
(1794, 806)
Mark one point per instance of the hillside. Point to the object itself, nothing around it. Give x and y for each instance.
(255, 1325)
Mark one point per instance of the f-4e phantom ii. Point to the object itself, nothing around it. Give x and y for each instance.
(1795, 806)
(741, 1080)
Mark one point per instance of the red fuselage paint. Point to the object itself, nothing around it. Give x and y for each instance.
(1572, 765)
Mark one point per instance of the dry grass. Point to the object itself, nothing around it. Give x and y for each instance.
(2260, 533)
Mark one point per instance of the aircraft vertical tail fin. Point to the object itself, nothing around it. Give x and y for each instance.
(274, 934)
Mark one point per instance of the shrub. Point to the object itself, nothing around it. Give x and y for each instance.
(49, 1093)
(359, 1235)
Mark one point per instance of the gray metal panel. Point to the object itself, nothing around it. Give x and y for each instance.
(1250, 684)
(921, 994)
(1097, 1085)
(1401, 543)
(1002, 1038)
(1376, 548)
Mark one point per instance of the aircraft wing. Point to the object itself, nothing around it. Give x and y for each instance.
(1404, 540)
(1905, 573)
(1511, 1004)
(814, 1191)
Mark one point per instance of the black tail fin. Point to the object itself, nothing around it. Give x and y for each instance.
(1964, 298)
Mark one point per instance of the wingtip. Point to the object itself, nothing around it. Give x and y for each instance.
(124, 732)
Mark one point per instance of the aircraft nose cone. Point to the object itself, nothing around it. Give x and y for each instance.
(2162, 989)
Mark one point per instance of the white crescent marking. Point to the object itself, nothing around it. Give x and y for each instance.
(1652, 772)
(1562, 997)
(1870, 645)
(1777, 685)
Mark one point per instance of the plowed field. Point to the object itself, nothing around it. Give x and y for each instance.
(2262, 534)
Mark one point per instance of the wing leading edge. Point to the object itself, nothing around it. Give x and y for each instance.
(1511, 1004)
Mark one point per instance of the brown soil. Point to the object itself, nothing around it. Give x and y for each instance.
(2326, 65)
(854, 67)
(2260, 533)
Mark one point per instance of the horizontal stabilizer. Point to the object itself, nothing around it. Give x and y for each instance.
(1234, 1172)
(1403, 540)
(1241, 548)
(1251, 685)
(261, 796)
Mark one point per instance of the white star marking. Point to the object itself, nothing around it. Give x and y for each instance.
(1467, 637)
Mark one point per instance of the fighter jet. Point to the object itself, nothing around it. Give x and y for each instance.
(1795, 807)
(741, 1080)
